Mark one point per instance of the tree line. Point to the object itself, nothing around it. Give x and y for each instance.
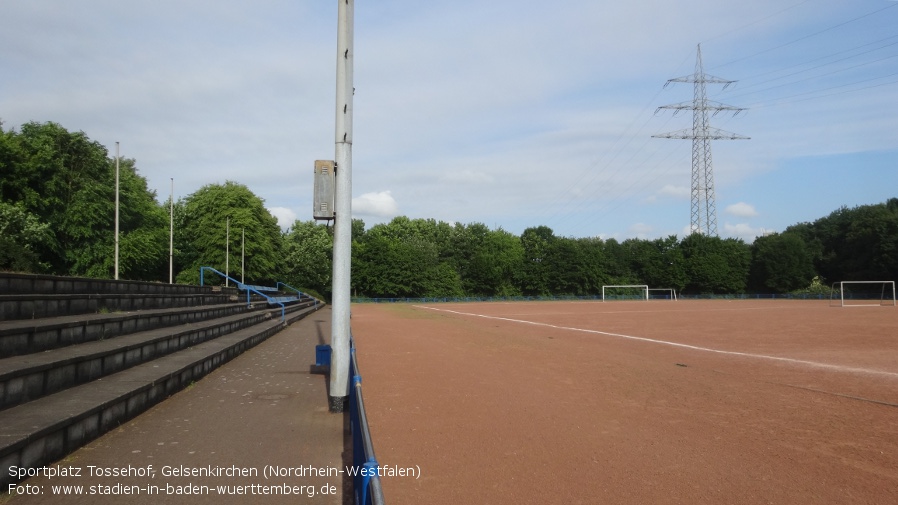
(57, 217)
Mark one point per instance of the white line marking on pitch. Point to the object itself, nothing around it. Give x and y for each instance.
(793, 361)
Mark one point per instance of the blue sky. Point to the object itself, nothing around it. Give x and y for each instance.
(513, 114)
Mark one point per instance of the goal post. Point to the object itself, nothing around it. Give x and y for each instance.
(641, 290)
(862, 294)
(669, 293)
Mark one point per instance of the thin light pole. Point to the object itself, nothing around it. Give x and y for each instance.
(340, 331)
(116, 207)
(171, 234)
(227, 249)
(242, 253)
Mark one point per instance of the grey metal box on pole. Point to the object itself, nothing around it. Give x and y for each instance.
(325, 182)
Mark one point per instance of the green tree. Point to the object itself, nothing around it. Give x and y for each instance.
(507, 254)
(860, 243)
(67, 181)
(358, 230)
(618, 263)
(59, 176)
(486, 260)
(569, 267)
(780, 263)
(597, 258)
(10, 160)
(535, 272)
(658, 263)
(223, 224)
(308, 251)
(402, 259)
(143, 230)
(21, 236)
(715, 265)
(387, 267)
(869, 247)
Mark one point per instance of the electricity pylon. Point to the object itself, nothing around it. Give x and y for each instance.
(704, 208)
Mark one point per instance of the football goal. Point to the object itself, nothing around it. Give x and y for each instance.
(663, 294)
(862, 293)
(625, 292)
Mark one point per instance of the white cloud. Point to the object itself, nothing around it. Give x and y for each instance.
(467, 177)
(741, 209)
(285, 216)
(381, 205)
(675, 191)
(489, 116)
(641, 230)
(744, 231)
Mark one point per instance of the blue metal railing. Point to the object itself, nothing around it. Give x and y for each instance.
(366, 482)
(279, 284)
(264, 289)
(272, 300)
(298, 292)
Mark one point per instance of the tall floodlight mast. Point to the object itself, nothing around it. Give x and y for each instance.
(340, 311)
(704, 208)
(116, 208)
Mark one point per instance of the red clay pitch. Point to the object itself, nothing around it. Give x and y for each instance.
(713, 402)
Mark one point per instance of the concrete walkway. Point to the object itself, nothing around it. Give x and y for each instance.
(255, 430)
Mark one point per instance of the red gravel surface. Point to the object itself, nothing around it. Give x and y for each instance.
(698, 402)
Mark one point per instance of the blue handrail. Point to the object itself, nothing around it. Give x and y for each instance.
(368, 490)
(249, 289)
(298, 292)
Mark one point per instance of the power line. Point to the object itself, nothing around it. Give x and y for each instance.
(762, 104)
(794, 41)
(775, 14)
(818, 76)
(821, 58)
(590, 174)
(630, 174)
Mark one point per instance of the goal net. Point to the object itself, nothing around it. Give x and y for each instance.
(862, 293)
(663, 294)
(625, 292)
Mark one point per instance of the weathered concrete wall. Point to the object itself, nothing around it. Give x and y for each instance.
(13, 283)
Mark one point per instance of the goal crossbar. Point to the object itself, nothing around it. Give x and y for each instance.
(672, 291)
(886, 294)
(643, 287)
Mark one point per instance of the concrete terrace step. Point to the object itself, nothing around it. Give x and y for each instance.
(30, 284)
(41, 431)
(30, 336)
(34, 306)
(27, 377)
